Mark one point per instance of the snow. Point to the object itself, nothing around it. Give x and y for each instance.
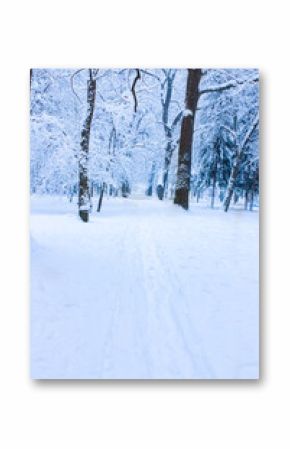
(144, 290)
(187, 112)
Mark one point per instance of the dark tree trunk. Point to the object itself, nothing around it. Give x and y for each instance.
(101, 198)
(160, 192)
(252, 201)
(125, 189)
(30, 83)
(186, 137)
(149, 190)
(213, 189)
(84, 193)
(246, 200)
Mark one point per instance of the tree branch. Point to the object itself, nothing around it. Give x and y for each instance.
(228, 85)
(150, 74)
(72, 83)
(249, 133)
(176, 120)
(137, 77)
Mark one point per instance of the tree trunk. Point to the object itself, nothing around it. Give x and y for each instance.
(101, 198)
(214, 177)
(125, 189)
(236, 164)
(165, 115)
(213, 191)
(149, 190)
(186, 137)
(252, 201)
(236, 197)
(246, 201)
(167, 162)
(84, 194)
(168, 130)
(232, 182)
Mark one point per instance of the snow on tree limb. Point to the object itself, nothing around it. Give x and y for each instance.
(250, 132)
(139, 154)
(228, 85)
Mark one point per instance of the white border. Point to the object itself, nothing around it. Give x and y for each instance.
(144, 415)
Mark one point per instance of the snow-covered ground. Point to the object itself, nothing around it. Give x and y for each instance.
(144, 290)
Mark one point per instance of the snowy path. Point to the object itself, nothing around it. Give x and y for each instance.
(144, 290)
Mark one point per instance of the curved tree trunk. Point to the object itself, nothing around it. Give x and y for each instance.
(232, 182)
(185, 146)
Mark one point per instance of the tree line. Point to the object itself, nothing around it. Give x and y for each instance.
(180, 132)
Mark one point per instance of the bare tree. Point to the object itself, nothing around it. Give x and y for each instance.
(237, 163)
(166, 99)
(186, 137)
(84, 192)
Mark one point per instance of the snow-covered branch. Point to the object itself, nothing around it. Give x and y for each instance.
(228, 85)
(249, 132)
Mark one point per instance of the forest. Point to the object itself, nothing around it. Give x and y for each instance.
(178, 134)
(144, 223)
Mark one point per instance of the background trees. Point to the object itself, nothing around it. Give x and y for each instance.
(93, 137)
(228, 105)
